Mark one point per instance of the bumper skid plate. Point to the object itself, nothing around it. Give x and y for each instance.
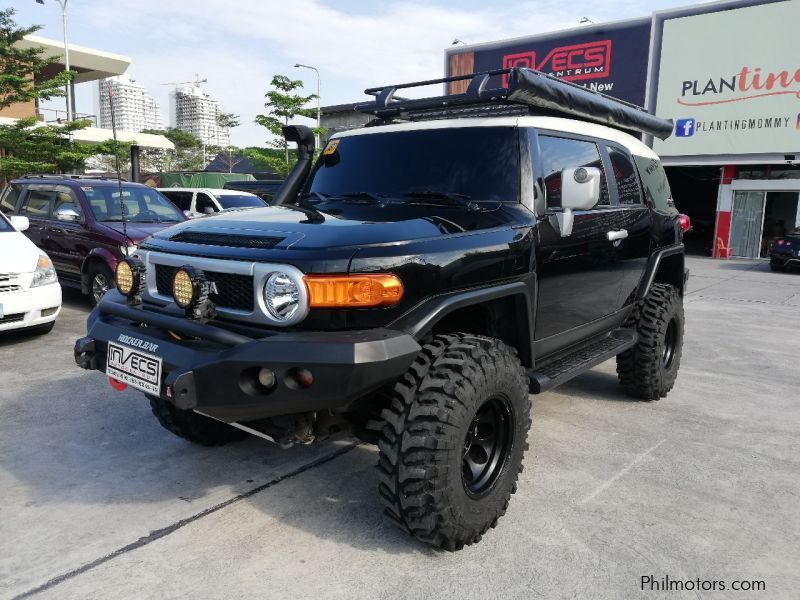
(213, 370)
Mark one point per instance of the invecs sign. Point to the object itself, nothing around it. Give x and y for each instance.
(743, 97)
(571, 63)
(609, 59)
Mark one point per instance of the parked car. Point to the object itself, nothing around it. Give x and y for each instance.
(78, 221)
(30, 296)
(264, 188)
(196, 202)
(412, 287)
(785, 251)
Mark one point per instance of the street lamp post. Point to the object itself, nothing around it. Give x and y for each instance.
(319, 105)
(63, 4)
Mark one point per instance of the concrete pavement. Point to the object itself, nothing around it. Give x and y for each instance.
(97, 501)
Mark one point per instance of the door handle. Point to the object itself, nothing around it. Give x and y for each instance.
(619, 234)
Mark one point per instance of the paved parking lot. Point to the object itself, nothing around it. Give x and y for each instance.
(97, 501)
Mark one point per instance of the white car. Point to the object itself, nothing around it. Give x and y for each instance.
(30, 295)
(196, 202)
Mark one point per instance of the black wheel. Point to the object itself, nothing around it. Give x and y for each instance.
(192, 426)
(42, 329)
(452, 440)
(776, 267)
(649, 369)
(101, 279)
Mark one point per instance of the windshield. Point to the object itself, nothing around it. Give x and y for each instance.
(142, 205)
(5, 226)
(477, 163)
(231, 201)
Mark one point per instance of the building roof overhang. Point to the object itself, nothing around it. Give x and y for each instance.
(97, 135)
(88, 64)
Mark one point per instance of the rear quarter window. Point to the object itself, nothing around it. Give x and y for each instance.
(656, 186)
(8, 201)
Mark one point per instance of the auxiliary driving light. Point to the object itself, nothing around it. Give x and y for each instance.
(130, 279)
(190, 291)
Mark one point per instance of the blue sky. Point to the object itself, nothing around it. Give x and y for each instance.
(238, 45)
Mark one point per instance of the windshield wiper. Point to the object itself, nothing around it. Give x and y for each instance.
(318, 195)
(440, 198)
(368, 197)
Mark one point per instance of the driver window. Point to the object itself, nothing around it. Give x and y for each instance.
(65, 197)
(204, 203)
(562, 153)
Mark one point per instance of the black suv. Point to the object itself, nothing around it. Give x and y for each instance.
(412, 286)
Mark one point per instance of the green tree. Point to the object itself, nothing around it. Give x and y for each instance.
(284, 104)
(268, 159)
(20, 67)
(28, 148)
(187, 155)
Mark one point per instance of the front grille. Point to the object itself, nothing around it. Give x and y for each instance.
(4, 288)
(12, 318)
(234, 291)
(224, 239)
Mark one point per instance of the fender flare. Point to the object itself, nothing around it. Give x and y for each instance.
(652, 268)
(420, 320)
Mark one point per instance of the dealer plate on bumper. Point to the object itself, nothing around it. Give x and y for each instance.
(136, 368)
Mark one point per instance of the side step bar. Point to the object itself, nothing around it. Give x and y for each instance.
(565, 368)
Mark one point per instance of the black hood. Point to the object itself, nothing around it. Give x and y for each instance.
(327, 226)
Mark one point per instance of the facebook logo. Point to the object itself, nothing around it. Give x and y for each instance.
(684, 128)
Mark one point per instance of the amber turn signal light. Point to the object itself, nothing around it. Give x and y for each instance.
(353, 291)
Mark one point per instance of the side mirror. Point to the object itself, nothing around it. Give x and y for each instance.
(67, 213)
(580, 190)
(20, 223)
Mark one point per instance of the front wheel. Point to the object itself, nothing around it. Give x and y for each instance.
(452, 440)
(101, 279)
(191, 426)
(649, 369)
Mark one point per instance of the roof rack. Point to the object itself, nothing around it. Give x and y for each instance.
(68, 176)
(528, 92)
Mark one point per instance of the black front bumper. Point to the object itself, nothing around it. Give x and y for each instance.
(211, 369)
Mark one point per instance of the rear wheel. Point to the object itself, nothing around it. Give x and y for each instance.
(452, 440)
(777, 267)
(193, 426)
(101, 279)
(649, 369)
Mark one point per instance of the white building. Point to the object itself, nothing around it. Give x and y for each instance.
(194, 111)
(134, 108)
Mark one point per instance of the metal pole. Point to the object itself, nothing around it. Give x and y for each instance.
(63, 4)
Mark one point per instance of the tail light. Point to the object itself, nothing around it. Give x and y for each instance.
(685, 222)
(781, 242)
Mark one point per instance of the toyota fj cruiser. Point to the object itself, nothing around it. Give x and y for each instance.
(415, 283)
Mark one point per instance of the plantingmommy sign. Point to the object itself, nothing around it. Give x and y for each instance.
(731, 82)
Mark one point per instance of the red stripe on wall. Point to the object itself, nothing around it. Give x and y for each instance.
(722, 233)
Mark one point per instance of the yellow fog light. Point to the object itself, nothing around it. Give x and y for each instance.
(184, 287)
(130, 278)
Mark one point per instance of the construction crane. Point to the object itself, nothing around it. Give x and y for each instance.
(196, 83)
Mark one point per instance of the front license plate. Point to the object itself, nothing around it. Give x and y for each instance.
(136, 368)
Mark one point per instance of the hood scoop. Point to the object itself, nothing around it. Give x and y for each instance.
(226, 239)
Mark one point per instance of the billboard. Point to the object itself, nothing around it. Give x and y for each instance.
(611, 59)
(730, 80)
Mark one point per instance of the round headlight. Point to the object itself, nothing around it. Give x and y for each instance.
(183, 288)
(282, 296)
(124, 278)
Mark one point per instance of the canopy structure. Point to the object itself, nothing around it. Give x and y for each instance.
(89, 64)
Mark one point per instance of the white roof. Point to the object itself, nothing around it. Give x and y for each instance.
(212, 191)
(97, 135)
(91, 63)
(554, 124)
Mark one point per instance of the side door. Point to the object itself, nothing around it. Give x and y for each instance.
(68, 243)
(579, 275)
(37, 205)
(633, 225)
